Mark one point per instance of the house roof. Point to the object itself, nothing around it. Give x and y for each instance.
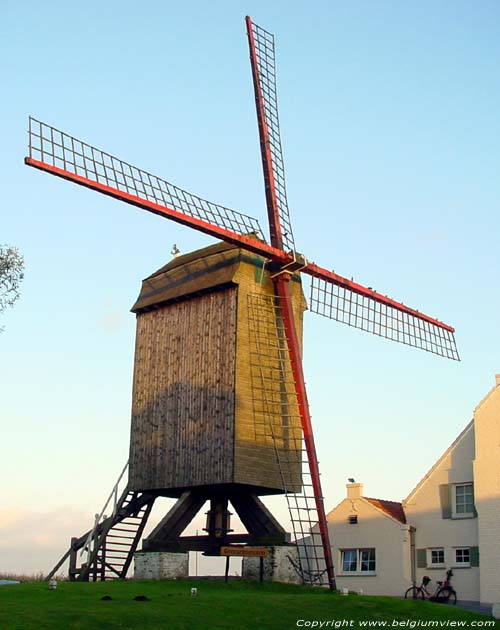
(392, 508)
(483, 400)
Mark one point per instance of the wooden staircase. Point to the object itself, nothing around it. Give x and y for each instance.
(106, 551)
(110, 551)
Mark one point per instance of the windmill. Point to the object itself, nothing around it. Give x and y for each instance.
(272, 315)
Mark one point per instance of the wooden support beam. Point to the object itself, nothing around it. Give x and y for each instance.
(183, 544)
(257, 519)
(175, 522)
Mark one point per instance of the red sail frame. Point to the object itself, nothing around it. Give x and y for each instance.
(275, 228)
(254, 245)
(282, 287)
(282, 290)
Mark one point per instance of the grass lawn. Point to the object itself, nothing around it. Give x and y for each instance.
(235, 605)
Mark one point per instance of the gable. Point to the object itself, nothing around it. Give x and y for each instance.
(458, 456)
(367, 509)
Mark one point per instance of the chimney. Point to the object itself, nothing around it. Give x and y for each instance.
(497, 379)
(354, 490)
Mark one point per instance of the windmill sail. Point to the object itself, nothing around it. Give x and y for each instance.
(264, 76)
(349, 303)
(277, 418)
(61, 154)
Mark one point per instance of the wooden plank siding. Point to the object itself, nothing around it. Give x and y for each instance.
(183, 399)
(193, 409)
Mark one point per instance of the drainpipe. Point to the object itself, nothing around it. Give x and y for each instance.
(413, 555)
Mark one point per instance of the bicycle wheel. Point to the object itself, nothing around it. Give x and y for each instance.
(447, 594)
(414, 592)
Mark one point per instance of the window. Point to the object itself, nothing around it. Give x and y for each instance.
(462, 556)
(358, 561)
(435, 557)
(350, 560)
(457, 500)
(353, 519)
(367, 558)
(463, 500)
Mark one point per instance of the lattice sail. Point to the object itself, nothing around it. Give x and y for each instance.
(277, 421)
(361, 311)
(266, 76)
(60, 150)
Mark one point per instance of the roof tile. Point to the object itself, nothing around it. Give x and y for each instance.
(392, 508)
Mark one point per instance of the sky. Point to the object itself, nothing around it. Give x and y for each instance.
(390, 127)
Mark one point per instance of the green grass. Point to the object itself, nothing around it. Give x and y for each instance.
(235, 605)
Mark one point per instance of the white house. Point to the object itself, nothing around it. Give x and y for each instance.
(486, 471)
(451, 519)
(442, 510)
(371, 544)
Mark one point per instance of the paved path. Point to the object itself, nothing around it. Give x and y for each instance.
(484, 609)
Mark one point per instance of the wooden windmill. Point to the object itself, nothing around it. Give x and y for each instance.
(220, 409)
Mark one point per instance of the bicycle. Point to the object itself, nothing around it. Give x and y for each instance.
(444, 593)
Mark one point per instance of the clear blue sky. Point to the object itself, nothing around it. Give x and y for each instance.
(390, 126)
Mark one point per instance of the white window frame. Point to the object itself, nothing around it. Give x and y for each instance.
(430, 563)
(359, 561)
(348, 571)
(454, 512)
(456, 563)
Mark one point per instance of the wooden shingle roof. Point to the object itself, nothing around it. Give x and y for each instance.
(211, 268)
(191, 274)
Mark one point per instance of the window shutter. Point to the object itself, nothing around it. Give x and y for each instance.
(474, 556)
(474, 502)
(445, 498)
(421, 558)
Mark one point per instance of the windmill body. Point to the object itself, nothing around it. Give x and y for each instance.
(195, 420)
(218, 382)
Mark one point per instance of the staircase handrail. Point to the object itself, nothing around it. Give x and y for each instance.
(113, 495)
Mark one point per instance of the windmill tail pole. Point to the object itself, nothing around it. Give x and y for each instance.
(283, 292)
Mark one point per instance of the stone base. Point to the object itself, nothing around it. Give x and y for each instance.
(160, 565)
(495, 611)
(277, 566)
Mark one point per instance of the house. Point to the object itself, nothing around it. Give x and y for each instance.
(371, 544)
(486, 472)
(442, 510)
(451, 519)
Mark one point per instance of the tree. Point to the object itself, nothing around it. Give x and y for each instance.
(11, 275)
